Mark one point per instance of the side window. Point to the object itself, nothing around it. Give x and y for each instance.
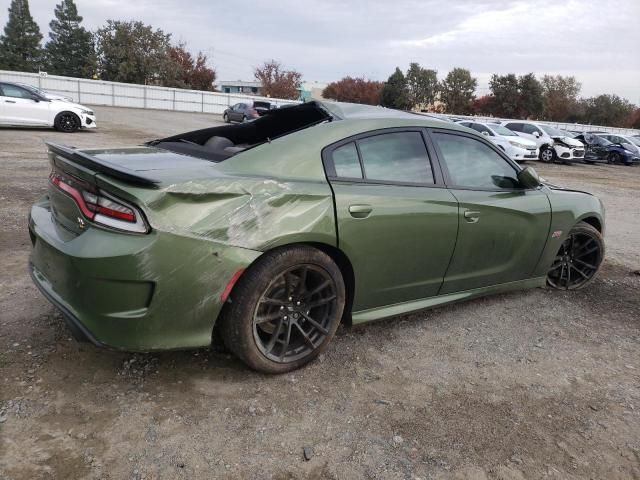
(15, 92)
(473, 164)
(398, 157)
(235, 107)
(515, 127)
(345, 161)
(530, 129)
(481, 128)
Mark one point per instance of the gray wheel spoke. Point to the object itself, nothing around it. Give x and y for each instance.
(302, 280)
(322, 330)
(586, 277)
(322, 301)
(285, 345)
(274, 338)
(577, 260)
(319, 288)
(268, 318)
(273, 301)
(306, 337)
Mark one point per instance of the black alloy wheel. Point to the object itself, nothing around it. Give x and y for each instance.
(578, 259)
(614, 157)
(293, 316)
(67, 122)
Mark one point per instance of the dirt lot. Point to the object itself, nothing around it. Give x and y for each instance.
(540, 384)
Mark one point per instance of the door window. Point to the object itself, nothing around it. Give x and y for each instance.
(514, 127)
(15, 92)
(473, 164)
(530, 129)
(396, 157)
(345, 161)
(481, 128)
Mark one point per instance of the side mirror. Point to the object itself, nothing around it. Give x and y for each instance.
(35, 98)
(536, 134)
(529, 178)
(485, 133)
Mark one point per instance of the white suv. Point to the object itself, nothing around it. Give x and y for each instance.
(23, 105)
(553, 143)
(517, 148)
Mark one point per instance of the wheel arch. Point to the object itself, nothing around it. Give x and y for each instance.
(592, 220)
(340, 259)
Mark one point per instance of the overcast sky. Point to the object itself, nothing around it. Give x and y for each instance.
(598, 42)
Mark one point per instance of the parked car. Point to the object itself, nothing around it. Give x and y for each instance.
(323, 213)
(626, 141)
(554, 145)
(244, 112)
(599, 149)
(21, 105)
(517, 148)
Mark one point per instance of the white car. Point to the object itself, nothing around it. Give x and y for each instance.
(22, 105)
(630, 142)
(515, 147)
(553, 143)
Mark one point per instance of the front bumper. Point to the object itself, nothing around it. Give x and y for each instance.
(567, 154)
(133, 292)
(88, 121)
(519, 154)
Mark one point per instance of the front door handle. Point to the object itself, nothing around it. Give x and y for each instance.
(360, 211)
(471, 216)
(10, 101)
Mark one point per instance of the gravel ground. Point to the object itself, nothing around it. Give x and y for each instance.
(536, 384)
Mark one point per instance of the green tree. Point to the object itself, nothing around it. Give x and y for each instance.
(395, 93)
(506, 95)
(70, 50)
(560, 95)
(457, 91)
(608, 110)
(132, 52)
(422, 85)
(531, 100)
(20, 45)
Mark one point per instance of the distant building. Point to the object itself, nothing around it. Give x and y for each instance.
(247, 88)
(311, 91)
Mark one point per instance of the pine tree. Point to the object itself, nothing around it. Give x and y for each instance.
(395, 93)
(69, 51)
(20, 45)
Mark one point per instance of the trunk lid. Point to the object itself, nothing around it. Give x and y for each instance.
(143, 168)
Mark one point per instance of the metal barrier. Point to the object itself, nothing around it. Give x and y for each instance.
(115, 94)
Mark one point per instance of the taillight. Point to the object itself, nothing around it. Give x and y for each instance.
(254, 113)
(99, 206)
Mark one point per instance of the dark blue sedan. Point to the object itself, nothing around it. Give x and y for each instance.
(598, 149)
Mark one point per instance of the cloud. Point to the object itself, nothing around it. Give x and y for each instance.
(327, 39)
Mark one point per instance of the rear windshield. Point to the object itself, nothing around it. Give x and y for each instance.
(219, 143)
(266, 105)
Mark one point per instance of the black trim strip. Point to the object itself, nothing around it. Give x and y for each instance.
(116, 171)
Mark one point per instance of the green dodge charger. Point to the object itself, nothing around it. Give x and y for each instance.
(272, 232)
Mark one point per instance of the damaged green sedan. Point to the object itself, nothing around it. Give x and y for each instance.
(273, 232)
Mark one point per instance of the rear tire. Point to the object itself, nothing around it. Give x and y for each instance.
(67, 122)
(225, 118)
(578, 260)
(284, 310)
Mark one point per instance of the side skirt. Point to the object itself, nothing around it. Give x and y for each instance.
(387, 311)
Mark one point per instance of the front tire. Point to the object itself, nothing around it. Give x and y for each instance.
(578, 260)
(284, 310)
(67, 122)
(547, 155)
(225, 118)
(614, 157)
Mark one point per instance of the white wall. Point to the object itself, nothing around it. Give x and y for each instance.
(98, 92)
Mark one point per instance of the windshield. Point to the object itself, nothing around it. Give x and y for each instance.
(500, 130)
(554, 132)
(42, 93)
(635, 141)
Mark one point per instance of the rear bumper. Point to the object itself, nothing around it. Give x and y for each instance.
(132, 292)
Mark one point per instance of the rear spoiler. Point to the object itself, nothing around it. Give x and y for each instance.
(102, 166)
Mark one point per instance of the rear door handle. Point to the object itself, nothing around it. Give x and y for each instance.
(360, 211)
(10, 101)
(471, 216)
